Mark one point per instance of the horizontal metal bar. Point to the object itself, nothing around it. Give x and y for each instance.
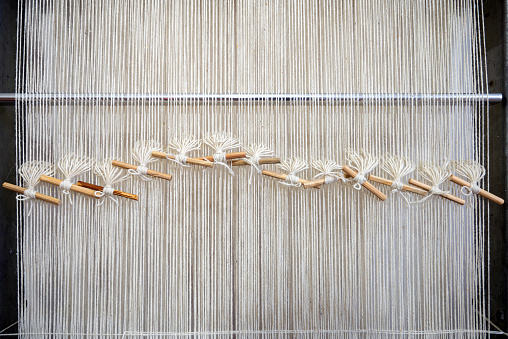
(492, 98)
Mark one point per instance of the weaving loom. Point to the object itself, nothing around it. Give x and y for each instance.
(343, 92)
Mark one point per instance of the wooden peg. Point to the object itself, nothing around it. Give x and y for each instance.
(149, 172)
(229, 156)
(100, 188)
(444, 195)
(75, 188)
(387, 182)
(282, 176)
(314, 183)
(366, 184)
(193, 161)
(262, 161)
(38, 195)
(482, 192)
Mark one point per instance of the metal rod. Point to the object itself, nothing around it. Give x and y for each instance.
(492, 98)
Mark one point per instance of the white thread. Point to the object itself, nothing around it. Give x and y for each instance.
(474, 189)
(437, 191)
(140, 171)
(473, 172)
(65, 186)
(397, 167)
(108, 192)
(292, 180)
(220, 143)
(180, 159)
(201, 255)
(183, 145)
(359, 179)
(329, 180)
(397, 186)
(31, 172)
(293, 166)
(29, 193)
(72, 165)
(220, 159)
(436, 175)
(254, 153)
(363, 163)
(329, 170)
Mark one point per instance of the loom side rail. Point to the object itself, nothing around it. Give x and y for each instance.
(492, 98)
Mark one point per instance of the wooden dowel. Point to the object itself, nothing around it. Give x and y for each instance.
(262, 161)
(100, 188)
(193, 161)
(38, 195)
(149, 172)
(387, 182)
(444, 195)
(229, 156)
(282, 176)
(482, 192)
(75, 188)
(314, 183)
(366, 184)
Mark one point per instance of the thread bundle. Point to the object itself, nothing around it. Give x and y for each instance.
(329, 171)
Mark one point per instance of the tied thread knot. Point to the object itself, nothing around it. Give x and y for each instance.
(292, 180)
(329, 171)
(253, 161)
(397, 186)
(65, 186)
(435, 190)
(359, 180)
(28, 194)
(220, 159)
(330, 177)
(107, 191)
(329, 180)
(474, 189)
(180, 159)
(142, 171)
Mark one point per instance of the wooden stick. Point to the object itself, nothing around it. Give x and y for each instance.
(387, 182)
(193, 161)
(314, 183)
(100, 188)
(75, 188)
(262, 161)
(38, 195)
(149, 172)
(229, 156)
(282, 176)
(366, 184)
(482, 192)
(444, 195)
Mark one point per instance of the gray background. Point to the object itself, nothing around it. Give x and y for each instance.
(495, 16)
